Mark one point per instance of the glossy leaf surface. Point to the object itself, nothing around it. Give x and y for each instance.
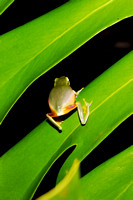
(111, 180)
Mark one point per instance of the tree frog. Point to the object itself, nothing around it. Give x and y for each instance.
(62, 100)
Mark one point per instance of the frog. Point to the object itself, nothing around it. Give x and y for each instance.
(62, 100)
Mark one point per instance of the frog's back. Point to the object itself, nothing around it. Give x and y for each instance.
(60, 97)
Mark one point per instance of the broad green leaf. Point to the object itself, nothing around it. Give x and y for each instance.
(32, 49)
(68, 188)
(111, 180)
(23, 166)
(4, 4)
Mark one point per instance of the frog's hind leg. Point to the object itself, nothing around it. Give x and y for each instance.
(50, 117)
(83, 118)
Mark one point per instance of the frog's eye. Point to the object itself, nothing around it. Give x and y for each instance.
(55, 81)
(67, 81)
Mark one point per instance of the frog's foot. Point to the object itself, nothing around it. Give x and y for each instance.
(87, 104)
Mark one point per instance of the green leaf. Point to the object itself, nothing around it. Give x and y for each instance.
(68, 188)
(32, 49)
(23, 167)
(4, 4)
(111, 180)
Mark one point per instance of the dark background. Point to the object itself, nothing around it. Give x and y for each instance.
(95, 57)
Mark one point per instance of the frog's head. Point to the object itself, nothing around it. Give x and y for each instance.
(61, 81)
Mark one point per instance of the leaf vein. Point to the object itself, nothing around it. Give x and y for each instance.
(112, 94)
(124, 190)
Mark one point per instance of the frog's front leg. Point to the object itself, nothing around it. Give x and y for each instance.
(83, 118)
(50, 117)
(77, 93)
